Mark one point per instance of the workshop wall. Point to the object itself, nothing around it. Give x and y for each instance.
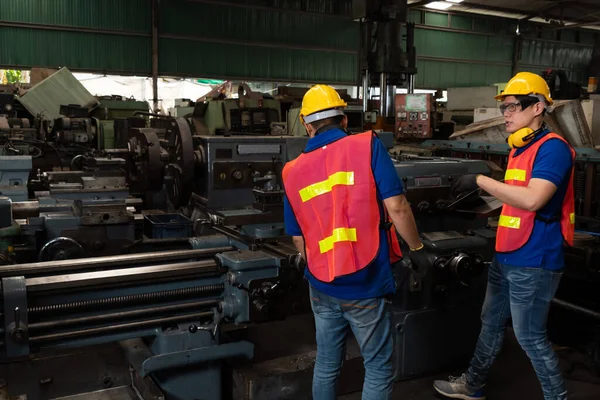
(285, 40)
(230, 39)
(297, 40)
(468, 50)
(110, 36)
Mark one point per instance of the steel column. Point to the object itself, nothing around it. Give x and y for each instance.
(365, 88)
(155, 55)
(383, 95)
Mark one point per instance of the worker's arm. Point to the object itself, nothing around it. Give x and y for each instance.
(292, 227)
(553, 164)
(531, 198)
(403, 219)
(299, 243)
(391, 190)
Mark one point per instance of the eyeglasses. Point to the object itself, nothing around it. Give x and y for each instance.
(517, 106)
(510, 107)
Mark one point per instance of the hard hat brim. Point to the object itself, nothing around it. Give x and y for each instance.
(502, 95)
(319, 115)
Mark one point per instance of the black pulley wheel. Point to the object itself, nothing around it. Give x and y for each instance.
(179, 192)
(144, 164)
(181, 155)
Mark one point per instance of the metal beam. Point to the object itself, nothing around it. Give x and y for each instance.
(65, 28)
(419, 3)
(544, 10)
(279, 45)
(253, 5)
(582, 24)
(528, 14)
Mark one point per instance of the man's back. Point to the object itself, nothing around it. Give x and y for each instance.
(376, 279)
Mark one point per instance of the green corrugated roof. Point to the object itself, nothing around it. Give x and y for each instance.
(61, 88)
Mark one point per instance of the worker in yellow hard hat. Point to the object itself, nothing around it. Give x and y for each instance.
(321, 102)
(343, 204)
(537, 219)
(527, 84)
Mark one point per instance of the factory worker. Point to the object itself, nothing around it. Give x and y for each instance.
(344, 203)
(536, 222)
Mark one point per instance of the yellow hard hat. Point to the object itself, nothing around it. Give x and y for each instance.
(524, 84)
(320, 102)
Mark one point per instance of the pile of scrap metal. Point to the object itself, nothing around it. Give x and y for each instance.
(151, 265)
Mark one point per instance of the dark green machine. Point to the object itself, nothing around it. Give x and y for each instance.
(111, 108)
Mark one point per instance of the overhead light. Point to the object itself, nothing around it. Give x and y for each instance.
(439, 5)
(455, 1)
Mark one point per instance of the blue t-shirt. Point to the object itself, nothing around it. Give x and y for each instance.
(376, 279)
(545, 246)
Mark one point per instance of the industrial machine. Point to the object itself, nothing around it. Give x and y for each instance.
(149, 266)
(53, 125)
(385, 61)
(110, 110)
(230, 109)
(415, 116)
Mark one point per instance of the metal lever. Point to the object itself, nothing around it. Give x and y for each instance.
(214, 330)
(18, 334)
(241, 287)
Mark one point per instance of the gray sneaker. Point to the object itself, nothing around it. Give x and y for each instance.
(457, 388)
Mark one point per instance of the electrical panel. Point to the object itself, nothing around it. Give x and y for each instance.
(414, 116)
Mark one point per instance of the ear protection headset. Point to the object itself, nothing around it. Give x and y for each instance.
(523, 136)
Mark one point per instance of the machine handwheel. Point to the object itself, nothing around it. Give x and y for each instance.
(60, 248)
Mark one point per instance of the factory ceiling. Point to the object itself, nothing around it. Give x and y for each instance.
(557, 13)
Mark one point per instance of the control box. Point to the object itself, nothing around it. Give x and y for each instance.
(414, 116)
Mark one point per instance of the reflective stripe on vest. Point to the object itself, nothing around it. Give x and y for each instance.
(333, 194)
(319, 188)
(509, 222)
(338, 235)
(515, 175)
(515, 225)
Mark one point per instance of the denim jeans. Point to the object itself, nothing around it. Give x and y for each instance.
(525, 294)
(371, 323)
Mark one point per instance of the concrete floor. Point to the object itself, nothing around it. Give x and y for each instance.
(511, 378)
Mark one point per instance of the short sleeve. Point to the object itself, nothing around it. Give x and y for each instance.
(553, 162)
(292, 227)
(386, 177)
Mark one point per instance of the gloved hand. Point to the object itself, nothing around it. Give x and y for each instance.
(420, 260)
(463, 185)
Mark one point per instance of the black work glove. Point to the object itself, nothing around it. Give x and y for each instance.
(464, 185)
(420, 260)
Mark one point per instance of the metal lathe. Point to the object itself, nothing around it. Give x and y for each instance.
(161, 270)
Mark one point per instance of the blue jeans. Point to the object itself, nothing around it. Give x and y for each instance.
(371, 323)
(525, 294)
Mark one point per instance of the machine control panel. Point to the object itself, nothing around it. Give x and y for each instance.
(413, 116)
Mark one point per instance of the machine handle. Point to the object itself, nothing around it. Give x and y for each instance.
(192, 357)
(17, 318)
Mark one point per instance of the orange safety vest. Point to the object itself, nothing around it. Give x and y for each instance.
(515, 225)
(333, 195)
